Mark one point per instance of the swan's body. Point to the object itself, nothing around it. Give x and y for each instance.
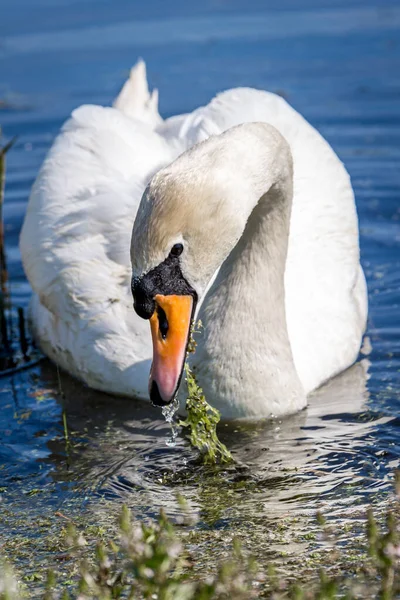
(275, 327)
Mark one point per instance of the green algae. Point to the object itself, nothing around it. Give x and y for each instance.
(202, 420)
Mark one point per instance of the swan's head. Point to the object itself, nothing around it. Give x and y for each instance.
(188, 221)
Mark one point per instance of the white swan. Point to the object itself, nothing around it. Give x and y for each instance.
(287, 309)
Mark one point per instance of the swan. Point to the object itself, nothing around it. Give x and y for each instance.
(239, 213)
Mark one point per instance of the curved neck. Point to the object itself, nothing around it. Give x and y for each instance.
(245, 342)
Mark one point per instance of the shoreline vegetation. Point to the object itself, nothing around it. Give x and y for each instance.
(154, 560)
(16, 353)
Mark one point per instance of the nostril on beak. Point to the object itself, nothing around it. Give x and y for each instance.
(162, 322)
(155, 396)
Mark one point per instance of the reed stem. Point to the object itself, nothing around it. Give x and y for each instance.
(5, 327)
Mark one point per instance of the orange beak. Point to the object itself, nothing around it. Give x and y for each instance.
(170, 328)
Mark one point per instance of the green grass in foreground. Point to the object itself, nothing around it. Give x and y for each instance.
(150, 561)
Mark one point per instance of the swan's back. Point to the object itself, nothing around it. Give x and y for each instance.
(76, 236)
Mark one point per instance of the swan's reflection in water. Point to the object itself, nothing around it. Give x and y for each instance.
(330, 456)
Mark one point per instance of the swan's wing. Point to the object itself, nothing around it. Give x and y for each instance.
(135, 100)
(75, 245)
(83, 205)
(326, 300)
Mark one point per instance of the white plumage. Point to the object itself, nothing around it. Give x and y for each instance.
(76, 235)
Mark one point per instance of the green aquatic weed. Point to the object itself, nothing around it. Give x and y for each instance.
(202, 419)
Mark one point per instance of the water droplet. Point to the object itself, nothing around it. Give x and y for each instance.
(170, 410)
(169, 413)
(171, 441)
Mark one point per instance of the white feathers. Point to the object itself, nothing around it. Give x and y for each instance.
(135, 100)
(76, 238)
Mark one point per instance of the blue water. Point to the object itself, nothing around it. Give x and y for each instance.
(338, 63)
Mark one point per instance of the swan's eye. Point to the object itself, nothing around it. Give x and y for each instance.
(176, 250)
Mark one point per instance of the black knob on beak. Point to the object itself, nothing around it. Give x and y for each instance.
(143, 301)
